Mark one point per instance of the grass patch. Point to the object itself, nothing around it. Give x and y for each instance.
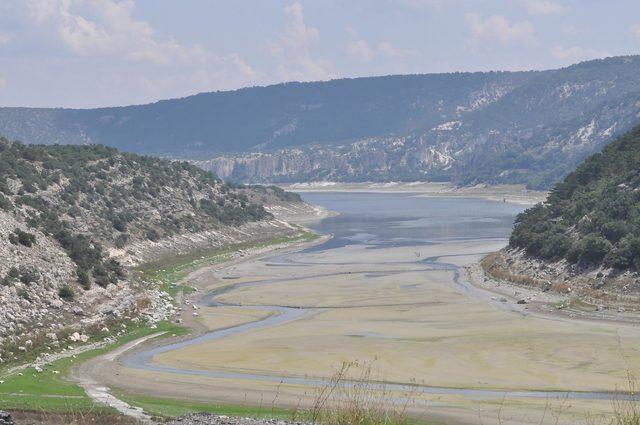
(168, 272)
(171, 408)
(50, 391)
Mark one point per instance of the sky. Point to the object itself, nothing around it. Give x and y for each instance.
(91, 53)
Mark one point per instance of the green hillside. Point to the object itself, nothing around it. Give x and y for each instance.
(592, 217)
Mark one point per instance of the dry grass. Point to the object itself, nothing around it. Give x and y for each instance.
(492, 264)
(354, 397)
(31, 417)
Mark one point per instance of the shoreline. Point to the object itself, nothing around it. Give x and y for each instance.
(516, 194)
(169, 393)
(189, 320)
(543, 304)
(88, 374)
(65, 364)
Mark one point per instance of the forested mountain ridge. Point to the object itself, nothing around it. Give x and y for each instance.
(495, 127)
(73, 217)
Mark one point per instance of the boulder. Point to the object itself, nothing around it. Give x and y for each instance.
(6, 419)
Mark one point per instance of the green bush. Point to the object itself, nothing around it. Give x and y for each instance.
(66, 293)
(83, 279)
(153, 235)
(615, 230)
(5, 203)
(626, 255)
(592, 249)
(23, 293)
(121, 240)
(23, 238)
(28, 275)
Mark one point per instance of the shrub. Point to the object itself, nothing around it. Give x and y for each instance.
(28, 275)
(153, 235)
(593, 248)
(615, 230)
(23, 238)
(556, 247)
(101, 276)
(23, 293)
(13, 273)
(5, 203)
(115, 270)
(626, 255)
(83, 279)
(121, 240)
(66, 293)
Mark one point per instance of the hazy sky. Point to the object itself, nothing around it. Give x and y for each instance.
(86, 53)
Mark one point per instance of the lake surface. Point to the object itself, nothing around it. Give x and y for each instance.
(404, 219)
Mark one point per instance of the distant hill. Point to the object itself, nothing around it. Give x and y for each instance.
(591, 218)
(495, 127)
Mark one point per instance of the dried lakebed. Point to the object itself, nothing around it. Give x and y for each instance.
(386, 289)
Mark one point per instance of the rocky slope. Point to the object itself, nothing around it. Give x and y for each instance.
(585, 238)
(495, 127)
(533, 132)
(72, 218)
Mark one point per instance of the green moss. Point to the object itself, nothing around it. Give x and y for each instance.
(168, 272)
(167, 407)
(51, 390)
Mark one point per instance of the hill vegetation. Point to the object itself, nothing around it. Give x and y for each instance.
(72, 218)
(62, 190)
(592, 217)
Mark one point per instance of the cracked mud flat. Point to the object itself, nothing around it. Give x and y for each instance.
(387, 289)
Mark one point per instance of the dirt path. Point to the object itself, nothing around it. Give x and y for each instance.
(91, 375)
(83, 375)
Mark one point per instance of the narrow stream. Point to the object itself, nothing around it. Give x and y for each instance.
(377, 221)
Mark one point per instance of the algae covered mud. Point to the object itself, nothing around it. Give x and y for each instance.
(387, 290)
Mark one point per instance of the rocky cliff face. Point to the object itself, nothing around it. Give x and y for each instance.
(73, 218)
(533, 133)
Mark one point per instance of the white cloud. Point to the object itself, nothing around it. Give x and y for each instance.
(100, 37)
(635, 31)
(497, 28)
(5, 38)
(570, 30)
(416, 4)
(98, 27)
(577, 53)
(293, 48)
(544, 7)
(358, 48)
(3, 82)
